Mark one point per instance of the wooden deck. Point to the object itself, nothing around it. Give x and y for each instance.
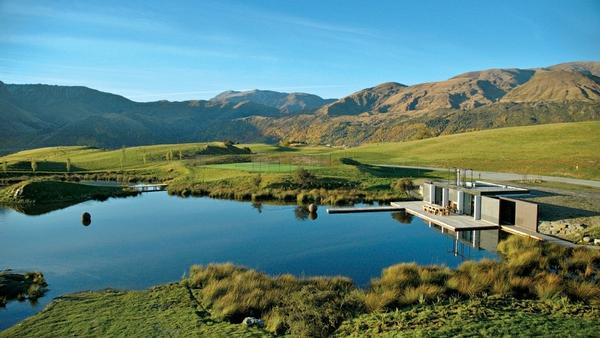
(367, 209)
(452, 222)
(464, 223)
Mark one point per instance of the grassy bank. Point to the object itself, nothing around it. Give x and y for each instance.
(535, 289)
(38, 196)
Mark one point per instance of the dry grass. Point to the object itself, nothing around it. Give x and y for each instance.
(302, 307)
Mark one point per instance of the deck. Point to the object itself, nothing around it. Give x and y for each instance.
(465, 223)
(452, 222)
(367, 209)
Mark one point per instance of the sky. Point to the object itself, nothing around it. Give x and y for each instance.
(180, 50)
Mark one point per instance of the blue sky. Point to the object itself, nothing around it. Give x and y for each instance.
(176, 50)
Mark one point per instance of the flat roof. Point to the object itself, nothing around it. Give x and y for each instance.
(481, 188)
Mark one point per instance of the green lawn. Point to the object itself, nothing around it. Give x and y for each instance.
(486, 317)
(164, 311)
(260, 167)
(86, 158)
(562, 149)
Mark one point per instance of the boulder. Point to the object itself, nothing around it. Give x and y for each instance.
(312, 208)
(587, 239)
(251, 321)
(597, 241)
(86, 218)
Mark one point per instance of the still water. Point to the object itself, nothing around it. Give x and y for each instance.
(153, 238)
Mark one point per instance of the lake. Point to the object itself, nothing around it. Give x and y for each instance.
(153, 238)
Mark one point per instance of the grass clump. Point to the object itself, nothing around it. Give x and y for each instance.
(405, 284)
(528, 269)
(301, 307)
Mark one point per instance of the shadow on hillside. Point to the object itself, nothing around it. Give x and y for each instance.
(389, 171)
(47, 166)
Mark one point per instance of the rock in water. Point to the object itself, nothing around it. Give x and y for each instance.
(312, 208)
(86, 218)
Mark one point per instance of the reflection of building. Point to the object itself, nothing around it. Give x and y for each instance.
(493, 203)
(464, 241)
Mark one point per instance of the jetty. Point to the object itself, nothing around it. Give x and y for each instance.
(149, 187)
(366, 209)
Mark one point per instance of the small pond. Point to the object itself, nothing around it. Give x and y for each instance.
(153, 238)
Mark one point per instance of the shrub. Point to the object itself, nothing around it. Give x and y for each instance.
(304, 178)
(257, 180)
(403, 185)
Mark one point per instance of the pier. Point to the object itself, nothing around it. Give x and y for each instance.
(149, 187)
(367, 209)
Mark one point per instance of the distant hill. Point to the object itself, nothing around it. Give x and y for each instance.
(288, 103)
(472, 101)
(46, 115)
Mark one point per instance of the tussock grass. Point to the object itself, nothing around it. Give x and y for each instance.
(317, 306)
(548, 286)
(302, 307)
(528, 269)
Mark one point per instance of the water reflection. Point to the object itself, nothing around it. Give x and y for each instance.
(402, 217)
(153, 238)
(258, 206)
(302, 213)
(467, 240)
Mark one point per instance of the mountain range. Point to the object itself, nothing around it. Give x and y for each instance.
(35, 115)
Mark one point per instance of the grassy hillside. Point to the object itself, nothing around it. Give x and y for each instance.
(90, 158)
(563, 149)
